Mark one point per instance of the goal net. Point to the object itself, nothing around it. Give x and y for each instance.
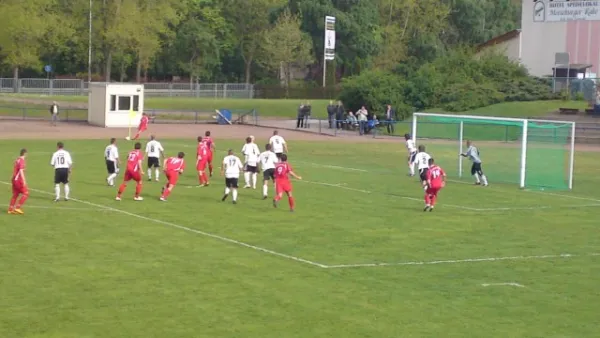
(535, 154)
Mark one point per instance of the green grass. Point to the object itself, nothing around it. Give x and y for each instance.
(276, 108)
(98, 270)
(521, 109)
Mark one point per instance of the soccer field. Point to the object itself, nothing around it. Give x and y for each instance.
(358, 258)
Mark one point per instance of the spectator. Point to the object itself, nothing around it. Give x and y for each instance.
(339, 114)
(390, 119)
(54, 113)
(373, 123)
(351, 120)
(300, 116)
(361, 116)
(307, 114)
(331, 111)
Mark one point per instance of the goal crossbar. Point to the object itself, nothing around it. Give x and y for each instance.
(524, 124)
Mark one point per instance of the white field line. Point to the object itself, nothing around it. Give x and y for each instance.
(462, 261)
(63, 208)
(180, 227)
(503, 284)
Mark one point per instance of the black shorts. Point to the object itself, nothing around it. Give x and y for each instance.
(61, 175)
(269, 174)
(231, 182)
(278, 155)
(111, 167)
(476, 169)
(153, 162)
(412, 156)
(423, 174)
(250, 169)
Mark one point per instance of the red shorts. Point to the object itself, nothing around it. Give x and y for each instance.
(433, 190)
(283, 186)
(201, 165)
(19, 188)
(172, 177)
(132, 175)
(209, 157)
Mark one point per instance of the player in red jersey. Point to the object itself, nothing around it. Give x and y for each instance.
(143, 126)
(134, 172)
(174, 166)
(282, 181)
(19, 185)
(436, 180)
(210, 144)
(201, 162)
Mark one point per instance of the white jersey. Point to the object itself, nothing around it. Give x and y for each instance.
(251, 153)
(154, 148)
(473, 154)
(233, 166)
(111, 153)
(267, 160)
(277, 143)
(410, 146)
(422, 160)
(61, 159)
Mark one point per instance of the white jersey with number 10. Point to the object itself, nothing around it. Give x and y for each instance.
(422, 160)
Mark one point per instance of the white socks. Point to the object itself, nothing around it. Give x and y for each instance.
(111, 179)
(57, 191)
(149, 173)
(477, 178)
(247, 178)
(227, 191)
(484, 179)
(254, 175)
(67, 190)
(265, 190)
(411, 169)
(157, 172)
(234, 195)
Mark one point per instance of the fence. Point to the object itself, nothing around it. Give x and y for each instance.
(80, 87)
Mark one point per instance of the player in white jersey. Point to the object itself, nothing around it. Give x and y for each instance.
(473, 154)
(111, 155)
(231, 168)
(154, 150)
(251, 152)
(62, 163)
(278, 144)
(267, 161)
(412, 153)
(422, 161)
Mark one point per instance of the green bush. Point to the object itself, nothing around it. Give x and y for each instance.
(470, 95)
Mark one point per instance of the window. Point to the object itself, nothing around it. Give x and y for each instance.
(136, 103)
(124, 103)
(113, 102)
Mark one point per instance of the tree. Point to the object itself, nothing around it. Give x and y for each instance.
(21, 32)
(286, 45)
(250, 19)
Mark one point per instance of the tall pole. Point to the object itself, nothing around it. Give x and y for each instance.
(324, 69)
(90, 46)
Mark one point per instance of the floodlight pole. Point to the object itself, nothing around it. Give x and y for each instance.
(90, 46)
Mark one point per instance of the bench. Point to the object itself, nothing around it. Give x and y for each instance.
(568, 111)
(592, 113)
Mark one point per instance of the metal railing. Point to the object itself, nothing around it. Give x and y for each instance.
(80, 87)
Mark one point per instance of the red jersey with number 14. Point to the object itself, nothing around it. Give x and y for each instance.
(175, 165)
(202, 151)
(19, 165)
(208, 142)
(435, 176)
(133, 160)
(282, 170)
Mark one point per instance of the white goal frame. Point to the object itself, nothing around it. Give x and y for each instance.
(525, 122)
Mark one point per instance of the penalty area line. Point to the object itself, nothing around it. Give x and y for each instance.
(181, 227)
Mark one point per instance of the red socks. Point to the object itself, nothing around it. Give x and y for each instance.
(427, 199)
(433, 199)
(13, 200)
(138, 189)
(291, 202)
(202, 178)
(24, 198)
(136, 136)
(166, 193)
(121, 189)
(210, 168)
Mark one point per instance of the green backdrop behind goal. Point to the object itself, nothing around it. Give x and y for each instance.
(542, 162)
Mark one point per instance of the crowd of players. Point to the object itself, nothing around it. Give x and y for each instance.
(432, 176)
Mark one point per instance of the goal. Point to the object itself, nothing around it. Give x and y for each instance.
(536, 154)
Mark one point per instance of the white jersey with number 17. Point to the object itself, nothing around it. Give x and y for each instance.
(233, 166)
(422, 160)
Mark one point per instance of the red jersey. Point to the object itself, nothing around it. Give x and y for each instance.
(435, 176)
(282, 169)
(208, 142)
(202, 151)
(19, 165)
(144, 121)
(133, 160)
(175, 164)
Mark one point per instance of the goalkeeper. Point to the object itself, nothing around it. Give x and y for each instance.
(473, 155)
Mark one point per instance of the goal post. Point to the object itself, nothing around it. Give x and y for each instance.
(535, 154)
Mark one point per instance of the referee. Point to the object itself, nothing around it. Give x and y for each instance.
(62, 163)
